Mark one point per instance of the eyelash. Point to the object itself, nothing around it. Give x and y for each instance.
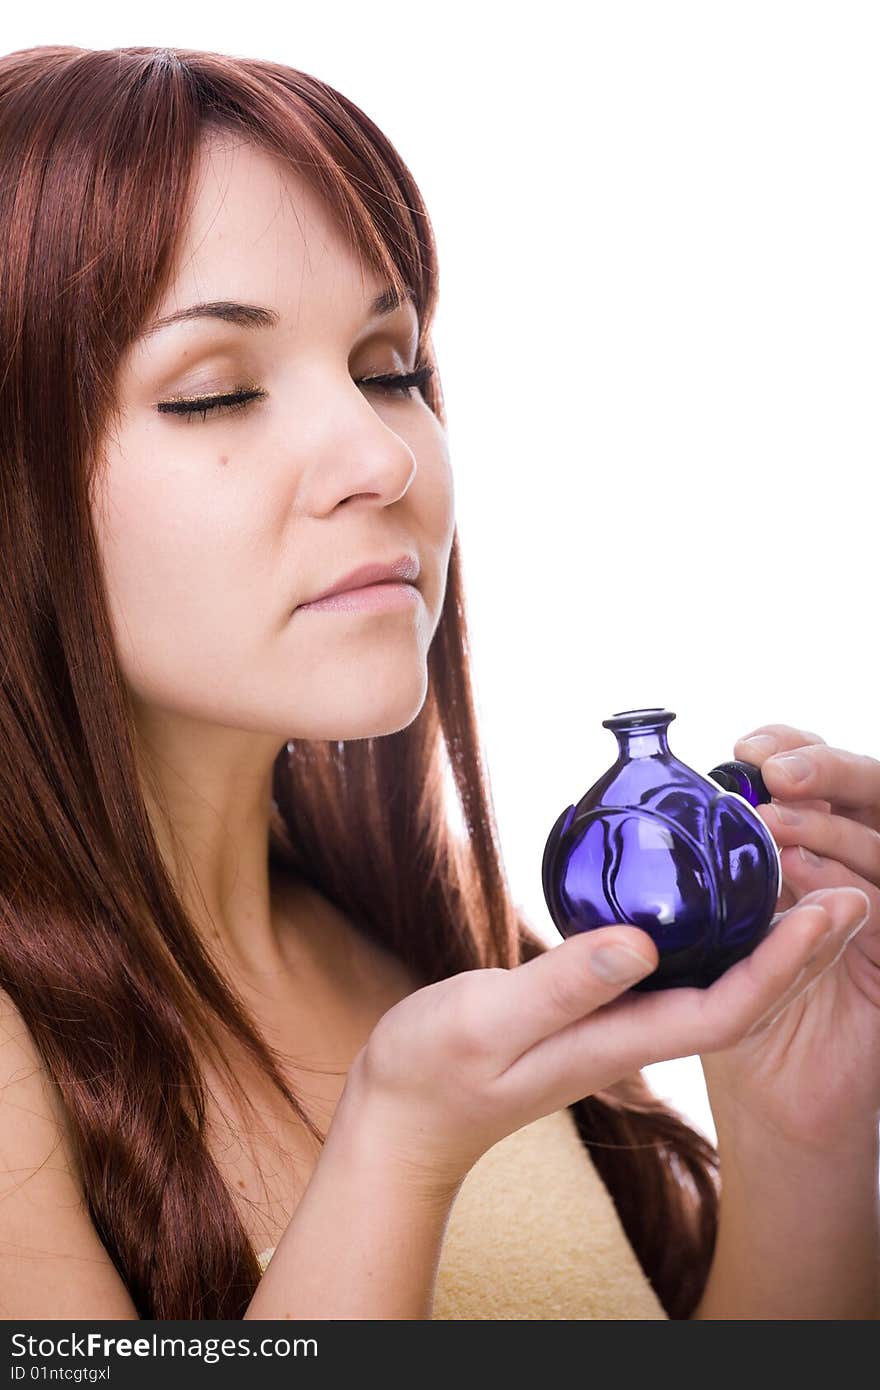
(392, 382)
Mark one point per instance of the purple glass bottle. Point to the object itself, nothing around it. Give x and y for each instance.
(658, 846)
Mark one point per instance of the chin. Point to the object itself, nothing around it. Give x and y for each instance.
(376, 704)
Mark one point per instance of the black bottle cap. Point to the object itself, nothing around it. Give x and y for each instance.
(743, 778)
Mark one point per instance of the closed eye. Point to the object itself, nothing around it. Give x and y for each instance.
(188, 406)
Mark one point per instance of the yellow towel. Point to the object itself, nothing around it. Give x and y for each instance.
(533, 1233)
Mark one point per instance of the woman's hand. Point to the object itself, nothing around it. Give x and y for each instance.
(810, 1071)
(454, 1067)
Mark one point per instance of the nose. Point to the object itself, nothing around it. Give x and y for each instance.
(356, 456)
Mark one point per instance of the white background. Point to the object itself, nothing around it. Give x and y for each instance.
(658, 227)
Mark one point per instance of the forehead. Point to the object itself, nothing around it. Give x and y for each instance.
(257, 228)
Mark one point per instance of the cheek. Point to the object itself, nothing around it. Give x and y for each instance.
(430, 503)
(433, 492)
(182, 577)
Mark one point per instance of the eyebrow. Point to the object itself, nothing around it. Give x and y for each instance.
(253, 316)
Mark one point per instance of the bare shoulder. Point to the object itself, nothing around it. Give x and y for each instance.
(52, 1261)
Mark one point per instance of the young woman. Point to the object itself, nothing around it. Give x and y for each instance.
(256, 995)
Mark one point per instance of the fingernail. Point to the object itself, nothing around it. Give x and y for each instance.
(851, 911)
(761, 743)
(786, 814)
(809, 857)
(792, 765)
(616, 964)
(849, 908)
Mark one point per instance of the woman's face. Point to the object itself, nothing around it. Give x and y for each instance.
(213, 530)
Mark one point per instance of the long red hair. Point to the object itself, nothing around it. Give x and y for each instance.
(97, 151)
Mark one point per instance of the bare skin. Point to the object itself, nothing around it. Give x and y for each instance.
(321, 1028)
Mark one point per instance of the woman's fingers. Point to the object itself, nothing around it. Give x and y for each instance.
(628, 1033)
(775, 970)
(561, 985)
(829, 949)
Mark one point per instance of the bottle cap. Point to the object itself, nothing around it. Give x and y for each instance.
(743, 778)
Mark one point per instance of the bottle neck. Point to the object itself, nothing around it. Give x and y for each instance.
(640, 733)
(642, 743)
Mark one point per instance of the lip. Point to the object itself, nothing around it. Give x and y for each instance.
(405, 567)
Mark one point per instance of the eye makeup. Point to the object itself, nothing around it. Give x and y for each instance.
(188, 407)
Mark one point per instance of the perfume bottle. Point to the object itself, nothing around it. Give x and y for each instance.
(661, 847)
